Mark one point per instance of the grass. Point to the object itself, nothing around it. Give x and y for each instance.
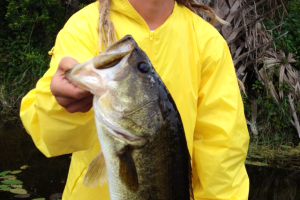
(283, 156)
(277, 143)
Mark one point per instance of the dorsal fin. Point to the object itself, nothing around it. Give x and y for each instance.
(127, 169)
(96, 173)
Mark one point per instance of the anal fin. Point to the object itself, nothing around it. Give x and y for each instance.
(96, 173)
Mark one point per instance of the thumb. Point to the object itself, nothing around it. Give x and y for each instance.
(67, 63)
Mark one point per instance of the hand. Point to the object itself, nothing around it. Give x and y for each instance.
(72, 98)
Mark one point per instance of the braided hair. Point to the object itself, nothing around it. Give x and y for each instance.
(107, 35)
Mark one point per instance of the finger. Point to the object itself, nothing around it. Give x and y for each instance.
(67, 63)
(80, 108)
(66, 102)
(82, 105)
(62, 87)
(86, 108)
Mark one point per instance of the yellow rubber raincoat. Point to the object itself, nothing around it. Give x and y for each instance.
(195, 64)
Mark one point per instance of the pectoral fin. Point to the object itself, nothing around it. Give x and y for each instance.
(96, 173)
(127, 170)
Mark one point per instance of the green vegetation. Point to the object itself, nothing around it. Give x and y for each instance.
(28, 32)
(273, 91)
(290, 42)
(10, 183)
(283, 156)
(273, 121)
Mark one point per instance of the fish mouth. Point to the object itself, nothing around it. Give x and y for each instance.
(92, 75)
(114, 53)
(117, 132)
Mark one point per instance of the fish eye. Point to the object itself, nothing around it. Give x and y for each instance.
(143, 67)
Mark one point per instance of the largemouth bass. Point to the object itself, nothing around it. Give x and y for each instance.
(143, 147)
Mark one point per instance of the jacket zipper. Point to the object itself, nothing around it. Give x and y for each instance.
(151, 38)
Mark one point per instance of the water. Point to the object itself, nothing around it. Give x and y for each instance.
(44, 176)
(273, 184)
(47, 176)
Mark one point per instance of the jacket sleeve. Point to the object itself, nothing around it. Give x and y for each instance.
(54, 130)
(221, 136)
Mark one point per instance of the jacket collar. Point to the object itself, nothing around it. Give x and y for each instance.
(125, 8)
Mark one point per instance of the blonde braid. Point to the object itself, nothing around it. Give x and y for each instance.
(105, 25)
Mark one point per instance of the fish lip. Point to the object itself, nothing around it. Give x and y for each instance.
(111, 55)
(124, 39)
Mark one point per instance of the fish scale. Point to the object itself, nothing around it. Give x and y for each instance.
(143, 145)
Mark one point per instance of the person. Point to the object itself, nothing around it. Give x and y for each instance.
(195, 64)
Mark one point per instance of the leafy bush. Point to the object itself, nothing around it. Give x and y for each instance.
(29, 28)
(268, 90)
(291, 42)
(272, 122)
(37, 21)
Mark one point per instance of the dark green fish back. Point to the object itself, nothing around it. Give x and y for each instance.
(164, 164)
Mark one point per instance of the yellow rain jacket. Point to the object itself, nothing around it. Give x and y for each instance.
(195, 64)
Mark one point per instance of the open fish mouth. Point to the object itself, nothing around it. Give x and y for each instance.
(93, 74)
